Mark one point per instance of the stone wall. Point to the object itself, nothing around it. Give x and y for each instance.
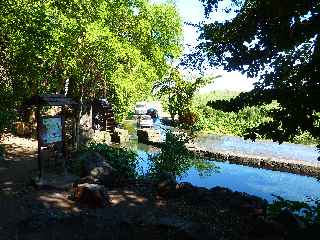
(148, 136)
(301, 168)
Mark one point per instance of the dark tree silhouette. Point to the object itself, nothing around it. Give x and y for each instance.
(279, 43)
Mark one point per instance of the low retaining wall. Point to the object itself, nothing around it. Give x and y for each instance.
(298, 167)
(273, 164)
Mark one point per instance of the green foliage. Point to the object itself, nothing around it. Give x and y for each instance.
(6, 118)
(113, 49)
(278, 42)
(228, 123)
(309, 212)
(235, 123)
(77, 167)
(179, 93)
(175, 158)
(123, 160)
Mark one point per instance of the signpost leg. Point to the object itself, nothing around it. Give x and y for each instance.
(39, 143)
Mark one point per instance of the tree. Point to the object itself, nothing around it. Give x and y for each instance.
(99, 48)
(279, 43)
(179, 91)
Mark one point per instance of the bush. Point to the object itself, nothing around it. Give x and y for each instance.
(235, 123)
(310, 213)
(124, 161)
(188, 119)
(6, 119)
(175, 158)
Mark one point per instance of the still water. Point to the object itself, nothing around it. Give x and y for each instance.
(256, 181)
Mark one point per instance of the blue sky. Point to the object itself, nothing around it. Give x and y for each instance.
(192, 11)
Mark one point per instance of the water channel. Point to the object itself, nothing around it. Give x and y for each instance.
(256, 181)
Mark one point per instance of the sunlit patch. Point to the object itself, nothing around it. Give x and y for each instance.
(7, 189)
(58, 200)
(7, 183)
(128, 197)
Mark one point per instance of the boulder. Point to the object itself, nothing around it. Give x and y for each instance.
(192, 193)
(166, 184)
(290, 221)
(120, 136)
(96, 166)
(90, 195)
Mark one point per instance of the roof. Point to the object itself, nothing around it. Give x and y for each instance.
(51, 100)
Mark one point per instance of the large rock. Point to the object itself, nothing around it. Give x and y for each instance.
(289, 220)
(166, 184)
(90, 195)
(96, 166)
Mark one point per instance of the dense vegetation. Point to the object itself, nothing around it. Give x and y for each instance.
(278, 42)
(176, 158)
(123, 160)
(178, 92)
(89, 49)
(235, 123)
(309, 211)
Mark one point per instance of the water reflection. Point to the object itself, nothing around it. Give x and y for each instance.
(239, 146)
(260, 182)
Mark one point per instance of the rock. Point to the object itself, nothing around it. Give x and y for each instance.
(148, 135)
(290, 221)
(91, 195)
(191, 193)
(220, 190)
(251, 209)
(87, 179)
(96, 166)
(266, 229)
(120, 136)
(166, 184)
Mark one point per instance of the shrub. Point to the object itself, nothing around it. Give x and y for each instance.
(309, 212)
(175, 157)
(235, 123)
(6, 118)
(121, 159)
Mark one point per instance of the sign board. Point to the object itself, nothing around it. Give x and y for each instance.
(51, 130)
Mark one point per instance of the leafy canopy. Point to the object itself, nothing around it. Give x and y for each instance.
(279, 43)
(179, 91)
(99, 48)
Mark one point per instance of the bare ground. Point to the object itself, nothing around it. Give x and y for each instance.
(135, 211)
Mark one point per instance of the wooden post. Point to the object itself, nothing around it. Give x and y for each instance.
(64, 151)
(39, 141)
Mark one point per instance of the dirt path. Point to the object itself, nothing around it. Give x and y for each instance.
(135, 211)
(19, 162)
(15, 173)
